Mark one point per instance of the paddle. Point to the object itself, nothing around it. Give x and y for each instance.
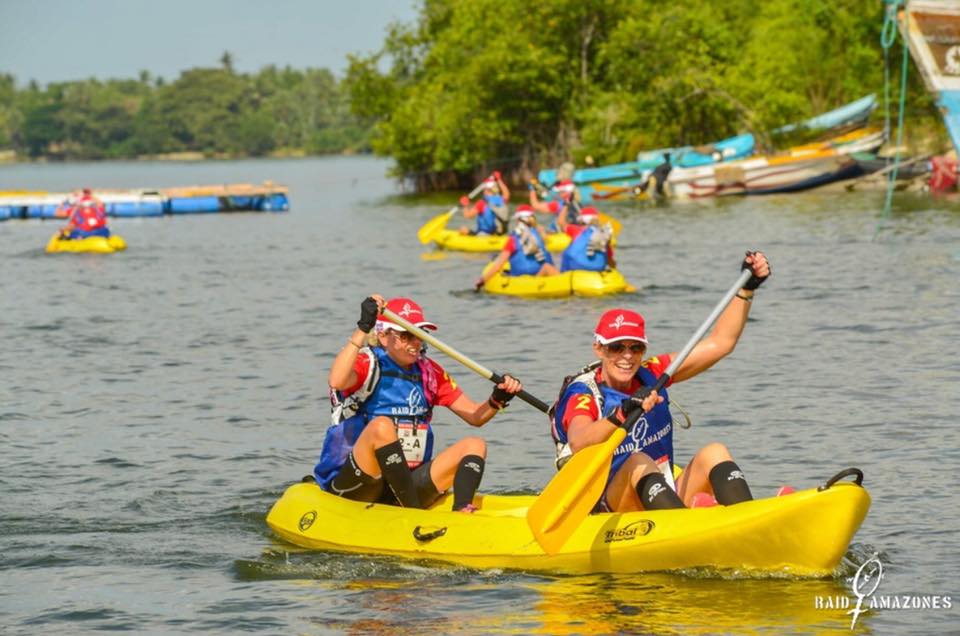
(462, 359)
(426, 233)
(572, 493)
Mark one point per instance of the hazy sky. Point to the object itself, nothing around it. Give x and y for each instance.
(57, 40)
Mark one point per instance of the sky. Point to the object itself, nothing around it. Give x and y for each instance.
(61, 40)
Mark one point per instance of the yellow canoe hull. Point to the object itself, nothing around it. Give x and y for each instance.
(577, 282)
(453, 240)
(95, 244)
(802, 534)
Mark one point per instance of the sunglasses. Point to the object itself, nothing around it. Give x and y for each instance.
(618, 347)
(404, 336)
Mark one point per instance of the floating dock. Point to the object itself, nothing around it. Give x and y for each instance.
(239, 197)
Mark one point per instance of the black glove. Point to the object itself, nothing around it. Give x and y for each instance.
(500, 397)
(754, 281)
(368, 315)
(631, 408)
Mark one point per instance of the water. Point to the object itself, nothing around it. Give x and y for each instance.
(155, 403)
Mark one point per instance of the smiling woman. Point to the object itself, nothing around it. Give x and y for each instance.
(614, 392)
(379, 447)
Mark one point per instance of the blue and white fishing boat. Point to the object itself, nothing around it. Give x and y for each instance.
(932, 30)
(631, 173)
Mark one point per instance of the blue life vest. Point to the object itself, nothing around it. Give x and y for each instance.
(489, 221)
(652, 434)
(578, 253)
(389, 390)
(77, 233)
(531, 253)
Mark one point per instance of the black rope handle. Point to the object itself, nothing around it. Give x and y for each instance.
(844, 473)
(428, 536)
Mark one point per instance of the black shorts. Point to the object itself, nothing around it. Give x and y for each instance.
(354, 484)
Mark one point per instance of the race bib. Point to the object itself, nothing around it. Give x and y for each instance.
(663, 464)
(413, 437)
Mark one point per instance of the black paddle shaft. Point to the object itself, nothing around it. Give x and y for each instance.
(496, 378)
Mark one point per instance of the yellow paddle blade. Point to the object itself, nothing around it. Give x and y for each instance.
(615, 224)
(572, 494)
(433, 256)
(426, 233)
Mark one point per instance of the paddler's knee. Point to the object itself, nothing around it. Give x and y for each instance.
(714, 453)
(639, 465)
(473, 446)
(380, 431)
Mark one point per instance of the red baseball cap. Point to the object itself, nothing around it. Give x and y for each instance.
(524, 209)
(589, 213)
(620, 324)
(407, 309)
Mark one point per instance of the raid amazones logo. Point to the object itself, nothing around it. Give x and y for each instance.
(307, 520)
(629, 532)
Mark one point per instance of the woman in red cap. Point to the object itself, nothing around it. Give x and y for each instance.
(525, 250)
(598, 398)
(383, 398)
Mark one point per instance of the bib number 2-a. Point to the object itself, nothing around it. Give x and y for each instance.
(413, 437)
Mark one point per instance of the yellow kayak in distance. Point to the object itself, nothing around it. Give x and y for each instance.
(457, 242)
(804, 534)
(91, 244)
(572, 283)
(435, 231)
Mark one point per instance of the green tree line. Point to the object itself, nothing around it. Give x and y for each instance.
(214, 111)
(478, 84)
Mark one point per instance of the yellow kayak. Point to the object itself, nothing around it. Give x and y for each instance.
(98, 244)
(577, 282)
(454, 240)
(436, 230)
(802, 534)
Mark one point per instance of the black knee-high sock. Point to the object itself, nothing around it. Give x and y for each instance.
(729, 484)
(656, 494)
(393, 466)
(466, 480)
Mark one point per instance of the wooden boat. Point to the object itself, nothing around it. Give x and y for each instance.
(800, 168)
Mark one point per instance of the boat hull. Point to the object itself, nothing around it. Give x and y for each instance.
(91, 244)
(572, 283)
(455, 241)
(802, 534)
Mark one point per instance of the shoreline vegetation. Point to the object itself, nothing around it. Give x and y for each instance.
(204, 113)
(469, 87)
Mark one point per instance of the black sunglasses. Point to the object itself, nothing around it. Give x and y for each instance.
(618, 347)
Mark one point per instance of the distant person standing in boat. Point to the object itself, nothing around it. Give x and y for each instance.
(525, 250)
(379, 446)
(562, 199)
(86, 217)
(658, 178)
(600, 396)
(591, 248)
(491, 210)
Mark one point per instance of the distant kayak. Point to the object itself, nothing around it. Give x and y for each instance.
(802, 534)
(96, 244)
(573, 283)
(435, 231)
(455, 241)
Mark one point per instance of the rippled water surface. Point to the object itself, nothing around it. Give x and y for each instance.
(155, 403)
